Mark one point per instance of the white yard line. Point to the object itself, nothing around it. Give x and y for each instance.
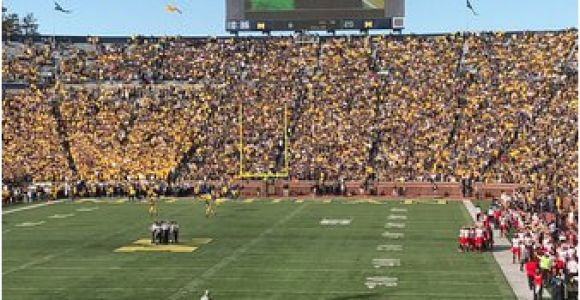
(5, 212)
(30, 224)
(193, 284)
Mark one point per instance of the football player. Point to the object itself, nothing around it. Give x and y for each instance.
(153, 205)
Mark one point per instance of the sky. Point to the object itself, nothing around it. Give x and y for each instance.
(207, 17)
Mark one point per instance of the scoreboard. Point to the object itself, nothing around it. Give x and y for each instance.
(325, 15)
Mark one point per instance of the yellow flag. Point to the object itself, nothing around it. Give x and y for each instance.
(170, 8)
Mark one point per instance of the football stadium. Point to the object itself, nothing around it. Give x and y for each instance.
(314, 150)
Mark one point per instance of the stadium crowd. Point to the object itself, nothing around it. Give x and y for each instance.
(490, 107)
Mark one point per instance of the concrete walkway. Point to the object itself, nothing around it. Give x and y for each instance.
(503, 255)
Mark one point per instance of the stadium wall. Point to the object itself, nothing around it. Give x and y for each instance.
(285, 188)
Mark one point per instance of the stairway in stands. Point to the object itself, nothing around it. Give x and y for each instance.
(376, 133)
(297, 110)
(63, 136)
(182, 168)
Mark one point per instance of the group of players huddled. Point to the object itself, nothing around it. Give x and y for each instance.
(478, 236)
(164, 232)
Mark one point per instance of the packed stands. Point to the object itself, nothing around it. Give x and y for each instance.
(493, 107)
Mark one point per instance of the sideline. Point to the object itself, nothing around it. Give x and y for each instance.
(516, 279)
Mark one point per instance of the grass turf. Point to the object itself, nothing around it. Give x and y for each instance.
(260, 250)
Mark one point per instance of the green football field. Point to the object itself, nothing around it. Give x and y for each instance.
(259, 250)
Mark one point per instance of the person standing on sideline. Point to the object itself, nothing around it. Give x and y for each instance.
(557, 284)
(531, 268)
(538, 285)
(545, 265)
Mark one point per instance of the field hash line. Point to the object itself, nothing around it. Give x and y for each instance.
(192, 285)
(5, 212)
(31, 263)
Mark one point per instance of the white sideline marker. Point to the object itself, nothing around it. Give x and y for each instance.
(386, 262)
(87, 209)
(398, 210)
(390, 248)
(397, 217)
(58, 216)
(393, 235)
(373, 282)
(86, 201)
(334, 222)
(30, 224)
(395, 225)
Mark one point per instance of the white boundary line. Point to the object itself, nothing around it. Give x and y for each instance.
(190, 286)
(5, 212)
(301, 270)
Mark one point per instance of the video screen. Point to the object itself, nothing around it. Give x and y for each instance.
(296, 15)
(319, 9)
(286, 5)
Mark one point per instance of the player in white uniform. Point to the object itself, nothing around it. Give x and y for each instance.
(174, 232)
(155, 230)
(479, 238)
(516, 252)
(464, 239)
(502, 225)
(164, 232)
